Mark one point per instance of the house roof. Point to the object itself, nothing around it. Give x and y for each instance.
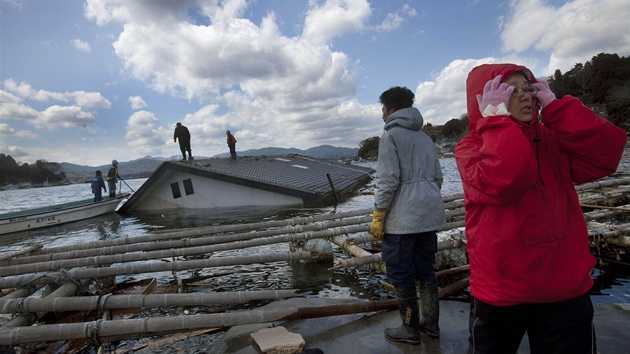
(295, 175)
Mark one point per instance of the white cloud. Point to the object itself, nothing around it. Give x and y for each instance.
(15, 152)
(137, 103)
(6, 130)
(144, 133)
(279, 87)
(8, 97)
(334, 18)
(395, 19)
(81, 45)
(81, 98)
(572, 33)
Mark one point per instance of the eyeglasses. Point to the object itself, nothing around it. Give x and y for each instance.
(519, 92)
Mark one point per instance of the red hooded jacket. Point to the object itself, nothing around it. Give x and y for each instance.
(526, 234)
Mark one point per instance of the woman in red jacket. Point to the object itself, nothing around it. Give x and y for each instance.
(527, 240)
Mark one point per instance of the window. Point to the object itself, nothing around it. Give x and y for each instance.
(175, 189)
(188, 186)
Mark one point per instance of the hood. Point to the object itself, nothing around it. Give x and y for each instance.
(409, 118)
(477, 79)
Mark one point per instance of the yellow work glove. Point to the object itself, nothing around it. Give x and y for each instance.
(378, 223)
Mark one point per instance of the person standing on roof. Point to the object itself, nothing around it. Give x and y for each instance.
(231, 143)
(112, 178)
(97, 184)
(408, 210)
(182, 133)
(527, 241)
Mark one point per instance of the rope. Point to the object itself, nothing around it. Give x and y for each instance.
(25, 280)
(65, 277)
(91, 332)
(101, 305)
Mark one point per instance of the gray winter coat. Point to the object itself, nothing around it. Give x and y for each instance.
(409, 176)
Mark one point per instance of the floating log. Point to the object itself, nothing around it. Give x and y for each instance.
(169, 253)
(625, 208)
(105, 331)
(135, 268)
(615, 235)
(82, 252)
(27, 249)
(94, 303)
(29, 317)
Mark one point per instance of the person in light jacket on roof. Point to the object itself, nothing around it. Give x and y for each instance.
(408, 209)
(526, 237)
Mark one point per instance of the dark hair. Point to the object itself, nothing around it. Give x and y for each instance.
(397, 98)
(98, 172)
(525, 74)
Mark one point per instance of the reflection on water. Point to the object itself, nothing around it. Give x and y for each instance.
(315, 280)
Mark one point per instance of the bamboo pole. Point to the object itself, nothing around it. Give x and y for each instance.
(369, 258)
(602, 184)
(145, 327)
(27, 249)
(29, 316)
(178, 252)
(173, 244)
(21, 292)
(150, 267)
(202, 231)
(614, 235)
(93, 303)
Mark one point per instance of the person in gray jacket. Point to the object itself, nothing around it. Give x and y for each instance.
(408, 210)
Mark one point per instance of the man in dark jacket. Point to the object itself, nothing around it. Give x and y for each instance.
(182, 133)
(97, 184)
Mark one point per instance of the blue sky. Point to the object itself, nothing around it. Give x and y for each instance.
(89, 81)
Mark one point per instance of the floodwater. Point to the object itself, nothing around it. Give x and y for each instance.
(316, 280)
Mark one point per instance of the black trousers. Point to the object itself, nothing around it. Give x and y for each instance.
(553, 328)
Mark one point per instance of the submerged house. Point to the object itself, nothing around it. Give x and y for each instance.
(286, 180)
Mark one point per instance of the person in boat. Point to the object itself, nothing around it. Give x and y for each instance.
(112, 178)
(527, 241)
(182, 133)
(97, 184)
(408, 209)
(231, 143)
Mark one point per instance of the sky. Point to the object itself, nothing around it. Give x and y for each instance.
(89, 81)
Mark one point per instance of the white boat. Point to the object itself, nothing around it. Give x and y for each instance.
(58, 214)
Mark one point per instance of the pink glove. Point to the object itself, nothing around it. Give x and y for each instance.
(495, 98)
(544, 95)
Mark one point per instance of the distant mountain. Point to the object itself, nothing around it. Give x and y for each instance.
(144, 167)
(320, 152)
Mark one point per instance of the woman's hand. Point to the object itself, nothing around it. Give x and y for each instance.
(544, 94)
(495, 98)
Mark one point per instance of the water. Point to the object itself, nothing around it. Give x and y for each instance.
(315, 280)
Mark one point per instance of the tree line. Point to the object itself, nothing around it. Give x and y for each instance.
(39, 173)
(603, 84)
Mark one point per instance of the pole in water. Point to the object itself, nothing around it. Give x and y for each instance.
(125, 184)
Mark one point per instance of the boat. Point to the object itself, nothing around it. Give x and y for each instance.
(57, 214)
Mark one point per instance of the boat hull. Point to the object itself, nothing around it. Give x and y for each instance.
(56, 215)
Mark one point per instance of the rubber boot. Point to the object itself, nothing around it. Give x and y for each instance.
(430, 307)
(408, 307)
